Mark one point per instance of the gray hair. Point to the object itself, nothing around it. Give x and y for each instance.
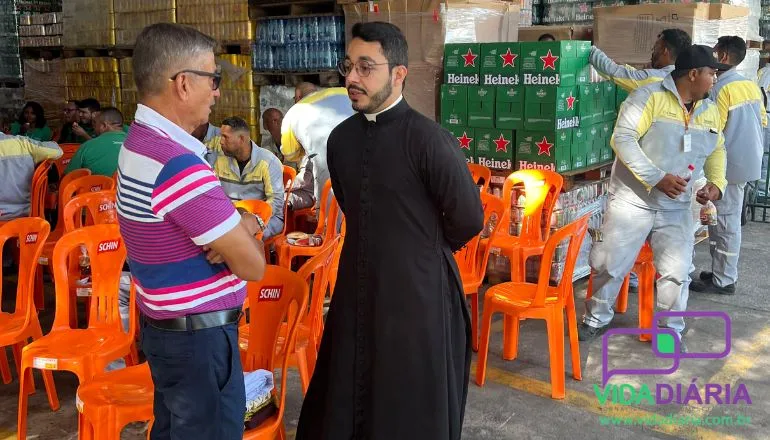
(163, 47)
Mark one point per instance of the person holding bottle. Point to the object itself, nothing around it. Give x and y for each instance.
(651, 186)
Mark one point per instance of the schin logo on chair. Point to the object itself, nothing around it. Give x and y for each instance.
(270, 293)
(109, 206)
(31, 238)
(96, 188)
(108, 246)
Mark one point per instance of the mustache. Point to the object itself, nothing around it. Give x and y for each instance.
(357, 89)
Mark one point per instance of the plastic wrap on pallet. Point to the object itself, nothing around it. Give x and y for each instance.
(279, 97)
(44, 82)
(627, 34)
(750, 65)
(93, 77)
(755, 14)
(88, 23)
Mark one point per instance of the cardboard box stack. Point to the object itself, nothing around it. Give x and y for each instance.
(131, 16)
(238, 95)
(44, 82)
(88, 23)
(93, 77)
(41, 30)
(128, 97)
(225, 20)
(527, 105)
(551, 12)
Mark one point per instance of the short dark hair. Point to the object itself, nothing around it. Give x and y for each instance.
(237, 124)
(37, 109)
(676, 40)
(391, 39)
(111, 115)
(546, 37)
(91, 104)
(734, 46)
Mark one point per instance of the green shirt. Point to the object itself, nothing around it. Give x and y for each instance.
(100, 154)
(39, 134)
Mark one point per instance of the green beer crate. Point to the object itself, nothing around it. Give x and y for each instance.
(509, 108)
(454, 105)
(585, 104)
(610, 95)
(598, 95)
(554, 63)
(581, 144)
(594, 151)
(544, 150)
(500, 64)
(606, 155)
(462, 63)
(465, 141)
(550, 108)
(494, 148)
(481, 106)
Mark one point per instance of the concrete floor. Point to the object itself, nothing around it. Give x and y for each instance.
(515, 403)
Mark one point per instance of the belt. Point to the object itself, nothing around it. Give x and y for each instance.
(196, 322)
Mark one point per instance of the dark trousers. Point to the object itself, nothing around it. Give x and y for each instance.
(199, 388)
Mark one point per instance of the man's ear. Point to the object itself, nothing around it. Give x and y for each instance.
(399, 75)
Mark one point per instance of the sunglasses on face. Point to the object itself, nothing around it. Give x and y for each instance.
(216, 76)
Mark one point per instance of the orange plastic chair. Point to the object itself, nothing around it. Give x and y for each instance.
(39, 189)
(59, 227)
(472, 259)
(541, 301)
(289, 175)
(256, 207)
(644, 267)
(68, 152)
(22, 324)
(275, 303)
(327, 227)
(84, 352)
(481, 175)
(110, 401)
(100, 207)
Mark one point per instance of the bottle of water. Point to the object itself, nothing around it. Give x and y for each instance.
(323, 29)
(303, 56)
(312, 53)
(279, 31)
(313, 26)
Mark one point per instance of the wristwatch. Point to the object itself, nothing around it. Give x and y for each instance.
(260, 222)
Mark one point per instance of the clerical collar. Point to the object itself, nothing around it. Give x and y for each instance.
(372, 117)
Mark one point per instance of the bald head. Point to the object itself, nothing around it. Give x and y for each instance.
(108, 119)
(303, 89)
(272, 119)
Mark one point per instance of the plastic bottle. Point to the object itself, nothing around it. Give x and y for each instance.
(687, 175)
(708, 214)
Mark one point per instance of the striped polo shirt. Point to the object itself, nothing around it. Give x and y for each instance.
(170, 204)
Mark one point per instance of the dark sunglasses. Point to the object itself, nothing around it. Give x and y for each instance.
(216, 76)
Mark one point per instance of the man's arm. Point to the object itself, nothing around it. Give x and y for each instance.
(41, 151)
(716, 165)
(188, 194)
(290, 146)
(274, 194)
(302, 193)
(626, 77)
(634, 119)
(449, 182)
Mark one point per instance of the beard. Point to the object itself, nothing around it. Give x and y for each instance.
(376, 100)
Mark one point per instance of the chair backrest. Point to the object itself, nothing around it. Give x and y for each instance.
(256, 207)
(280, 297)
(316, 273)
(68, 151)
(335, 266)
(63, 183)
(574, 232)
(101, 207)
(469, 258)
(541, 189)
(481, 175)
(289, 174)
(32, 233)
(39, 189)
(329, 211)
(107, 253)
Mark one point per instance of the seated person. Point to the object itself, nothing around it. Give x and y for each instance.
(248, 172)
(84, 128)
(100, 154)
(206, 132)
(19, 156)
(69, 118)
(271, 120)
(302, 193)
(32, 123)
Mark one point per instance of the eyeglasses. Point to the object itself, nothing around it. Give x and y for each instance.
(217, 76)
(363, 68)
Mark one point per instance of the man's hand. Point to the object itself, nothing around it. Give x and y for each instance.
(672, 185)
(212, 256)
(708, 192)
(249, 221)
(79, 131)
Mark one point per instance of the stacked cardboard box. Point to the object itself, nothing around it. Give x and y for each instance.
(564, 11)
(238, 95)
(10, 66)
(88, 23)
(41, 30)
(44, 82)
(131, 16)
(227, 20)
(93, 77)
(527, 105)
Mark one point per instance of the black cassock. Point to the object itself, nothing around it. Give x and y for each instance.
(395, 355)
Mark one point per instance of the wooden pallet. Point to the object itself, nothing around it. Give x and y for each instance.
(242, 47)
(111, 51)
(44, 53)
(264, 9)
(328, 78)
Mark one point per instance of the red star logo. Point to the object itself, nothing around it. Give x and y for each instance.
(508, 58)
(502, 144)
(549, 61)
(470, 58)
(570, 102)
(544, 147)
(465, 141)
(583, 7)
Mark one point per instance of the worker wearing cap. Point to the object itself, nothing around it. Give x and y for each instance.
(661, 130)
(670, 43)
(742, 118)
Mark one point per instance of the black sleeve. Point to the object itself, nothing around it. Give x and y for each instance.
(451, 186)
(332, 144)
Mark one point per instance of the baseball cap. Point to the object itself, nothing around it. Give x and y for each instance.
(697, 56)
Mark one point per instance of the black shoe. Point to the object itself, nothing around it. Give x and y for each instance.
(706, 276)
(588, 333)
(710, 287)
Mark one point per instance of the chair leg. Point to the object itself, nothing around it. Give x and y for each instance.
(590, 288)
(282, 432)
(312, 357)
(574, 344)
(555, 324)
(486, 328)
(5, 369)
(510, 337)
(304, 374)
(50, 386)
(646, 300)
(475, 320)
(621, 304)
(21, 422)
(17, 348)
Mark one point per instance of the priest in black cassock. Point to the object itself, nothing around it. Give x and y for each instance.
(395, 355)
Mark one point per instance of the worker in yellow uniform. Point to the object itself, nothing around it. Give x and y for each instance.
(742, 118)
(666, 133)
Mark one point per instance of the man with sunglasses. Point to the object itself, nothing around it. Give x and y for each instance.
(396, 350)
(190, 251)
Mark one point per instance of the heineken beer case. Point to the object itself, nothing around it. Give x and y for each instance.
(500, 64)
(550, 108)
(553, 63)
(585, 105)
(598, 96)
(466, 141)
(454, 105)
(509, 107)
(481, 106)
(462, 63)
(550, 150)
(494, 148)
(610, 95)
(581, 143)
